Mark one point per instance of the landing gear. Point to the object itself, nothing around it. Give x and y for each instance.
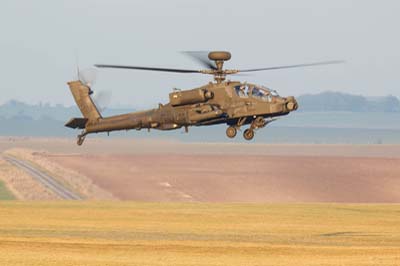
(80, 139)
(231, 132)
(258, 122)
(248, 134)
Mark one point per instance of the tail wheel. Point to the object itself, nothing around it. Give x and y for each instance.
(248, 134)
(231, 132)
(80, 140)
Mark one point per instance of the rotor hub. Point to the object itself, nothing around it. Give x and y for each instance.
(219, 56)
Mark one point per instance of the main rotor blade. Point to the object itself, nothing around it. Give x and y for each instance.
(149, 68)
(294, 66)
(202, 58)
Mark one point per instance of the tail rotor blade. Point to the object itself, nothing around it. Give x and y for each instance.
(102, 99)
(88, 76)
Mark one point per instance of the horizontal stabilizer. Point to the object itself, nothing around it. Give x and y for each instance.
(77, 123)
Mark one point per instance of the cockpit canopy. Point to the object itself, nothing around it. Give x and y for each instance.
(255, 91)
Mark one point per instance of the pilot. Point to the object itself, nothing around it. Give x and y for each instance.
(248, 91)
(242, 91)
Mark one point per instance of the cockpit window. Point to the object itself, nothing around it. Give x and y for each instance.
(274, 93)
(255, 91)
(261, 94)
(264, 93)
(242, 91)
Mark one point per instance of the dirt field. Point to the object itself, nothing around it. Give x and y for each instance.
(161, 146)
(67, 234)
(241, 178)
(149, 170)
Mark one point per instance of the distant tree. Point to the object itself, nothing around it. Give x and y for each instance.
(336, 101)
(391, 104)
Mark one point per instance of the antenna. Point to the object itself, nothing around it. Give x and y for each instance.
(77, 64)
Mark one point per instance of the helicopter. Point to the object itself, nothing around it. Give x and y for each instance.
(221, 101)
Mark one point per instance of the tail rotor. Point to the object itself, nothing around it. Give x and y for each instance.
(88, 76)
(102, 99)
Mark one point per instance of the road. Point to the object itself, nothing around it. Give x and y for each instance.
(48, 181)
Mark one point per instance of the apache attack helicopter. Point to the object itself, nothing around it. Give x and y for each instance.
(221, 102)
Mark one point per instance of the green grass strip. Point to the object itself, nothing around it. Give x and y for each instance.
(5, 194)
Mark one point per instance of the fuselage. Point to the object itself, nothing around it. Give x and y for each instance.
(214, 103)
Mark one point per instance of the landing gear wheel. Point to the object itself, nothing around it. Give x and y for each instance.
(231, 132)
(248, 134)
(80, 140)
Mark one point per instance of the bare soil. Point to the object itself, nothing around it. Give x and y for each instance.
(237, 178)
(168, 170)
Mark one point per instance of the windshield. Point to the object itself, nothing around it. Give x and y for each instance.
(255, 91)
(267, 90)
(263, 93)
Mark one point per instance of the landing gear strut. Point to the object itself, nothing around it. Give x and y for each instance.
(258, 122)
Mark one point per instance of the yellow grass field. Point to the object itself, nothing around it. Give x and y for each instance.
(126, 233)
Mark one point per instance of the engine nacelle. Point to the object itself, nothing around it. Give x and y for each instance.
(177, 98)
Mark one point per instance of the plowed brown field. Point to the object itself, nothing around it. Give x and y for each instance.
(164, 171)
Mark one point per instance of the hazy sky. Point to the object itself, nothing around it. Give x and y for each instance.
(40, 41)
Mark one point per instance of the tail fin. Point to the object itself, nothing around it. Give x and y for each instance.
(82, 98)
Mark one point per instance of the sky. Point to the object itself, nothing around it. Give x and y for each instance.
(42, 42)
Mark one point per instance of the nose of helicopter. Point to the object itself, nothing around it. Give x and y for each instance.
(291, 104)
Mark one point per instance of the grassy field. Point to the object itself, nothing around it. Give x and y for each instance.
(76, 233)
(5, 194)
